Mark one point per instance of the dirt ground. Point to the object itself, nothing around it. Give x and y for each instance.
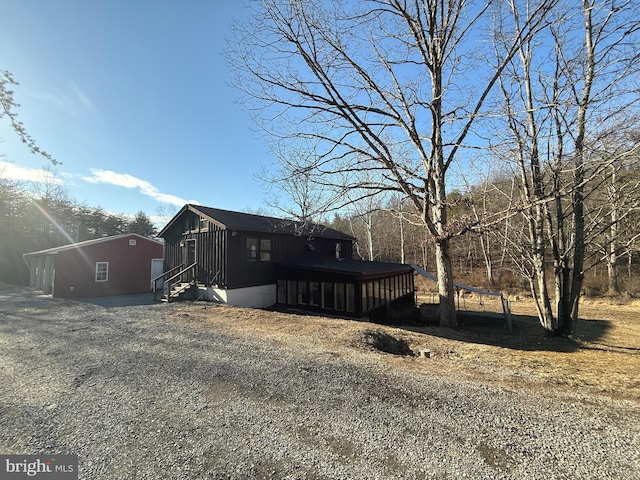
(201, 390)
(604, 357)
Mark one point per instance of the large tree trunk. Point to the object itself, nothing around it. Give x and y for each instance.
(545, 313)
(569, 326)
(448, 317)
(446, 292)
(568, 323)
(543, 303)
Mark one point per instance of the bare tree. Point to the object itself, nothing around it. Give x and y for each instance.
(560, 102)
(8, 108)
(305, 200)
(382, 84)
(364, 213)
(612, 208)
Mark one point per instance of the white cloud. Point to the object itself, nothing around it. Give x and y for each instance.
(159, 220)
(81, 97)
(127, 181)
(70, 99)
(15, 172)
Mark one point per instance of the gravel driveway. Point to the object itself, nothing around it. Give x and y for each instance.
(138, 391)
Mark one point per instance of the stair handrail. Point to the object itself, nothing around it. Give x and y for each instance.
(154, 281)
(167, 282)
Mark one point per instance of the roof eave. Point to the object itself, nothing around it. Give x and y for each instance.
(173, 220)
(85, 243)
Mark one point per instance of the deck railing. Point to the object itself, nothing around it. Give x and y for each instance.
(187, 274)
(163, 277)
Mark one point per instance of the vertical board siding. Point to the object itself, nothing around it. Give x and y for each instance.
(284, 248)
(210, 253)
(222, 257)
(211, 256)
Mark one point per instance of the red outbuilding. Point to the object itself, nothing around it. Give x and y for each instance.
(106, 266)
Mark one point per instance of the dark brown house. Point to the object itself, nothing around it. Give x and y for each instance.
(257, 261)
(115, 265)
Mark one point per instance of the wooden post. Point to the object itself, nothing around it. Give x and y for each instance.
(506, 308)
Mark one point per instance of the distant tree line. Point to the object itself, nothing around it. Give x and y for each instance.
(501, 256)
(44, 217)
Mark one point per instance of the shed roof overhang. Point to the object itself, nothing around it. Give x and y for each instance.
(359, 269)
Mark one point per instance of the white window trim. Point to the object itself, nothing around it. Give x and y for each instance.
(107, 271)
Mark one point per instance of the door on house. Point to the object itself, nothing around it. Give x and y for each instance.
(190, 252)
(157, 269)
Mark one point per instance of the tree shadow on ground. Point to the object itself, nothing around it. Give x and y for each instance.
(490, 328)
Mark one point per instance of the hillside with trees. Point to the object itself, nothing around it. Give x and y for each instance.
(496, 258)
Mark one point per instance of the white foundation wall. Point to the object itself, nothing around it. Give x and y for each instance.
(251, 297)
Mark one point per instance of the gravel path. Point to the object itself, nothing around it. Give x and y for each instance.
(139, 392)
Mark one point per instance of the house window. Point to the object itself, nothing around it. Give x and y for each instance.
(102, 271)
(327, 295)
(377, 293)
(363, 291)
(265, 250)
(339, 296)
(258, 250)
(291, 292)
(370, 297)
(351, 297)
(252, 249)
(338, 249)
(303, 297)
(282, 291)
(314, 294)
(191, 223)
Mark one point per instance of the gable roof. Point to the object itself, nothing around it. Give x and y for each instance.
(231, 220)
(71, 246)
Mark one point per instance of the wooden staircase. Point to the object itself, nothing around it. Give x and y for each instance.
(177, 283)
(177, 291)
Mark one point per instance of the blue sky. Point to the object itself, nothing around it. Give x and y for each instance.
(132, 98)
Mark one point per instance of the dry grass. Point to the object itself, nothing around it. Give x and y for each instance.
(604, 358)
